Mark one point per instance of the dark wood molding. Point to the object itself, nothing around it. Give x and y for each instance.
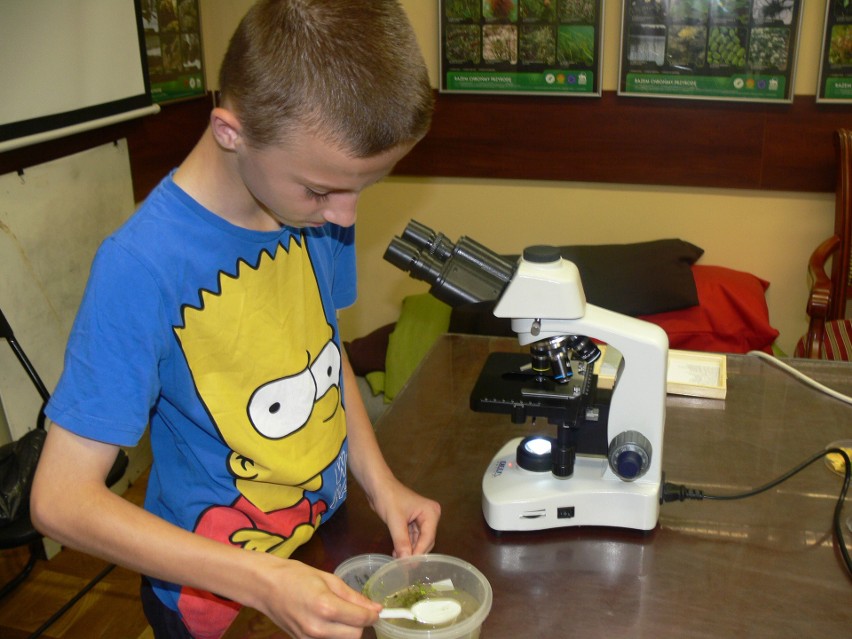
(631, 140)
(159, 144)
(611, 139)
(156, 143)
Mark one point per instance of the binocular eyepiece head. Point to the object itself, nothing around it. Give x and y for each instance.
(458, 273)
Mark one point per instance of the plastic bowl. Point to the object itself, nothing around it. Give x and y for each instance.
(355, 571)
(400, 574)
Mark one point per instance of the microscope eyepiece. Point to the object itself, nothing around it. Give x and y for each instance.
(459, 273)
(405, 256)
(427, 240)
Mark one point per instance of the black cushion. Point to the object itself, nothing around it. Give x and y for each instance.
(634, 279)
(637, 279)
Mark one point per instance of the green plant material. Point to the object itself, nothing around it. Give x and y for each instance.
(576, 46)
(768, 49)
(537, 45)
(581, 11)
(500, 44)
(686, 47)
(462, 9)
(407, 597)
(538, 10)
(500, 10)
(725, 47)
(692, 10)
(840, 46)
(462, 43)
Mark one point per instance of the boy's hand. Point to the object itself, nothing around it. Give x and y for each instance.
(309, 603)
(411, 518)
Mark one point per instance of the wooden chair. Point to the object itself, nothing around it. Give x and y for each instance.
(829, 333)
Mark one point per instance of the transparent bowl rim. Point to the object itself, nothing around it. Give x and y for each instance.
(464, 628)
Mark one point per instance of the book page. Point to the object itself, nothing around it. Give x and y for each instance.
(694, 373)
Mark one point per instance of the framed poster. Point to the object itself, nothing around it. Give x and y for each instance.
(173, 44)
(542, 47)
(741, 50)
(835, 69)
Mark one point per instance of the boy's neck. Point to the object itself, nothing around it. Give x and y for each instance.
(209, 176)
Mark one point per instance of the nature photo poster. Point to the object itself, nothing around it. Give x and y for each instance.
(541, 47)
(835, 75)
(738, 50)
(173, 43)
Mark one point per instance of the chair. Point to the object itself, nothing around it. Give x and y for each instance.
(829, 333)
(20, 532)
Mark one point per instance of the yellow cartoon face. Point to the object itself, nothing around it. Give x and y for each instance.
(283, 406)
(267, 370)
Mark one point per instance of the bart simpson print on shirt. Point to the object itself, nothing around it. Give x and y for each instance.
(265, 366)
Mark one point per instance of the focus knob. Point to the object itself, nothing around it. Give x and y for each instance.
(630, 455)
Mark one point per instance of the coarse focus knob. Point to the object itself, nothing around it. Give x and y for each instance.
(630, 455)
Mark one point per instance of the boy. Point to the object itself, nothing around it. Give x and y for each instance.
(211, 314)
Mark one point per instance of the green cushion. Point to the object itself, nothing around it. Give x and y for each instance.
(376, 381)
(422, 320)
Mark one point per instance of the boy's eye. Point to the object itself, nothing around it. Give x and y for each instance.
(313, 195)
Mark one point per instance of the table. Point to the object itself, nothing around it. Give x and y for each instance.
(766, 566)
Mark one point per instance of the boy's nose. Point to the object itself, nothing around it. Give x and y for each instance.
(343, 210)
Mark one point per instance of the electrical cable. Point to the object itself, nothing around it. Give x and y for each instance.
(801, 376)
(70, 603)
(679, 492)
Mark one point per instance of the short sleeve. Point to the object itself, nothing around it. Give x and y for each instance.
(110, 379)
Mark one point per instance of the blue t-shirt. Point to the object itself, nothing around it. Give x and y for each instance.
(225, 341)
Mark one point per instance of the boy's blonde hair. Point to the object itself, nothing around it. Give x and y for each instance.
(349, 71)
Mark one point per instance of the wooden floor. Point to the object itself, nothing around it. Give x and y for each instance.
(111, 610)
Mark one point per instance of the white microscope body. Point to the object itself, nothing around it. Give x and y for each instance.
(621, 487)
(604, 467)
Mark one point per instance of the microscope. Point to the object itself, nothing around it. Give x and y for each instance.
(603, 465)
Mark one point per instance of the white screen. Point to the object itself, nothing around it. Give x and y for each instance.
(63, 62)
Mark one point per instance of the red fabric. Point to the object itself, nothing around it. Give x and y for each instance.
(838, 340)
(731, 315)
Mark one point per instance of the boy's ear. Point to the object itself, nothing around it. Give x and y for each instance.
(226, 127)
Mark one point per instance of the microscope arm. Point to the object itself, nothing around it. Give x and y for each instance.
(545, 299)
(640, 395)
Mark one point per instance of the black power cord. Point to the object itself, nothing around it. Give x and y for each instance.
(70, 603)
(679, 492)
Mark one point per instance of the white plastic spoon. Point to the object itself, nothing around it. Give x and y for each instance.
(430, 611)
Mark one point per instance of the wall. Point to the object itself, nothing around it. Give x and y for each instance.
(768, 233)
(52, 218)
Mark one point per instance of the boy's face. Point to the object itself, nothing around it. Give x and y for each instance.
(308, 182)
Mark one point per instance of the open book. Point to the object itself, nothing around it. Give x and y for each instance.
(691, 373)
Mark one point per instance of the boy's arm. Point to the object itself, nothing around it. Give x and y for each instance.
(71, 504)
(411, 518)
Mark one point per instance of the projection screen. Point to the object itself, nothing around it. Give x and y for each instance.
(68, 66)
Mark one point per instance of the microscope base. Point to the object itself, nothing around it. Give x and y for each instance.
(517, 499)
